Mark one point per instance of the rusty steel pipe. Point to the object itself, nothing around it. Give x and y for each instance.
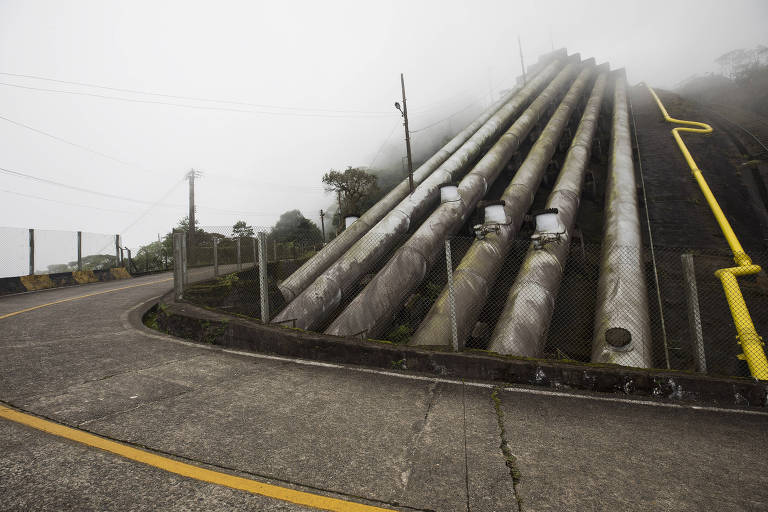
(315, 305)
(476, 274)
(335, 249)
(372, 308)
(522, 326)
(622, 333)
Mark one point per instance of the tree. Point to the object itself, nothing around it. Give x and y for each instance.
(733, 62)
(151, 256)
(183, 225)
(241, 230)
(353, 186)
(60, 267)
(97, 262)
(293, 226)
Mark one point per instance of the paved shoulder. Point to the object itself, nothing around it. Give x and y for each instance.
(581, 454)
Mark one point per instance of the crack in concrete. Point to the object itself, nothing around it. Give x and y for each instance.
(139, 406)
(466, 455)
(204, 463)
(139, 370)
(161, 399)
(405, 475)
(509, 457)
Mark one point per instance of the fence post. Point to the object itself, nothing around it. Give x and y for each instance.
(694, 315)
(178, 265)
(239, 259)
(31, 252)
(215, 257)
(79, 250)
(117, 250)
(184, 262)
(253, 243)
(451, 300)
(263, 288)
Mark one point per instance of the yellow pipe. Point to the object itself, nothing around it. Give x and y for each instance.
(750, 341)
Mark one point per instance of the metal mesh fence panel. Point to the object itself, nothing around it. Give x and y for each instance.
(98, 251)
(14, 258)
(52, 251)
(55, 251)
(225, 267)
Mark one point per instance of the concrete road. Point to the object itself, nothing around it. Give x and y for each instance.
(388, 440)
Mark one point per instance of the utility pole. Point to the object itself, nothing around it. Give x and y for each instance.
(404, 111)
(191, 175)
(191, 218)
(341, 216)
(322, 223)
(522, 64)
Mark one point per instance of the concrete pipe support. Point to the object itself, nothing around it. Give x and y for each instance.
(622, 333)
(371, 310)
(522, 326)
(312, 307)
(478, 270)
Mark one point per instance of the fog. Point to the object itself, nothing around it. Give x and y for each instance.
(300, 88)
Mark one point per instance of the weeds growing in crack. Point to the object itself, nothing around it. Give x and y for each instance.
(509, 459)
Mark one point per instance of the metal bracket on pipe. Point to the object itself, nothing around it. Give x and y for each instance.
(491, 224)
(549, 229)
(483, 230)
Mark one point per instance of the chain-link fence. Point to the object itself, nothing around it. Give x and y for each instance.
(227, 261)
(44, 251)
(550, 299)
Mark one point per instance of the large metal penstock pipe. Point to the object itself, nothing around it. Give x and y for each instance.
(312, 307)
(622, 333)
(373, 307)
(304, 275)
(521, 328)
(477, 272)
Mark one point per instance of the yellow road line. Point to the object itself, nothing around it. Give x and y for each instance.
(188, 470)
(7, 315)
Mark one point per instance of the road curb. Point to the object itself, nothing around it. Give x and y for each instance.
(220, 330)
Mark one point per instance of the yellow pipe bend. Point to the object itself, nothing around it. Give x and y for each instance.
(750, 341)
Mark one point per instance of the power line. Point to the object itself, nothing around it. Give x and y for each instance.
(445, 118)
(144, 169)
(217, 174)
(192, 98)
(79, 146)
(198, 107)
(122, 198)
(71, 187)
(63, 202)
(381, 148)
(153, 205)
(441, 103)
(235, 212)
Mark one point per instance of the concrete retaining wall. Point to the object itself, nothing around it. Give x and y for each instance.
(204, 326)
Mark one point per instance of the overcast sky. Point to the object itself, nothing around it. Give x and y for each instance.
(302, 87)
